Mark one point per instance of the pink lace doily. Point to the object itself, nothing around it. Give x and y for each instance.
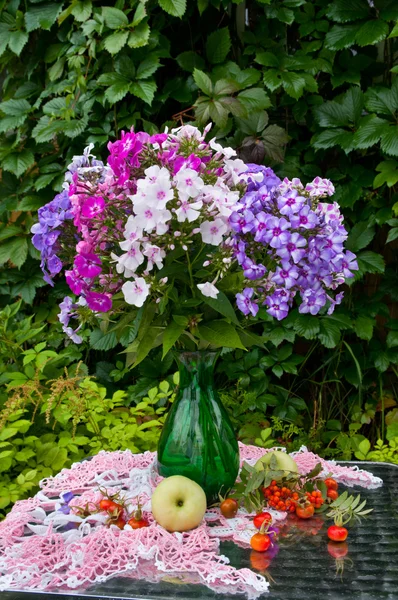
(42, 548)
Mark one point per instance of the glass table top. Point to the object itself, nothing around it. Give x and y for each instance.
(304, 567)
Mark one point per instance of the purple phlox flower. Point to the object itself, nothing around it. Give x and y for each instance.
(88, 265)
(190, 162)
(286, 275)
(72, 334)
(64, 509)
(98, 302)
(312, 301)
(346, 263)
(242, 222)
(93, 207)
(320, 187)
(261, 226)
(330, 214)
(277, 306)
(245, 304)
(293, 249)
(305, 218)
(334, 302)
(276, 234)
(270, 180)
(240, 253)
(253, 271)
(66, 498)
(68, 310)
(290, 203)
(54, 264)
(74, 281)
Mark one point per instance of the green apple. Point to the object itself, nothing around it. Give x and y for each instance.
(178, 503)
(285, 462)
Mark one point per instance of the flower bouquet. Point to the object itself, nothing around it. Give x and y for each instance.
(163, 239)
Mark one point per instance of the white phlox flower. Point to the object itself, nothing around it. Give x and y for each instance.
(188, 183)
(136, 292)
(189, 211)
(155, 256)
(208, 289)
(227, 152)
(213, 231)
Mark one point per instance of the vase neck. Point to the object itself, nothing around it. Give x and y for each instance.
(196, 367)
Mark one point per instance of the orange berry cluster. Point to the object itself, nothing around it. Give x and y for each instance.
(280, 498)
(315, 498)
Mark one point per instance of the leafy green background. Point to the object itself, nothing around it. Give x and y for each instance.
(309, 88)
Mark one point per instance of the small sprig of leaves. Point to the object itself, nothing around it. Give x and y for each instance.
(252, 481)
(345, 508)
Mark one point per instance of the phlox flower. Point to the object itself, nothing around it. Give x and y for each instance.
(188, 183)
(136, 292)
(208, 289)
(88, 265)
(93, 207)
(155, 256)
(245, 304)
(189, 211)
(132, 259)
(213, 231)
(98, 302)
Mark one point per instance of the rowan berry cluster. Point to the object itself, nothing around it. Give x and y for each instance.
(280, 498)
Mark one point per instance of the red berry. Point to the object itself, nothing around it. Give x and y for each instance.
(337, 534)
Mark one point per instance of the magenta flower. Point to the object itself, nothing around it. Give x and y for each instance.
(98, 302)
(93, 207)
(74, 281)
(88, 265)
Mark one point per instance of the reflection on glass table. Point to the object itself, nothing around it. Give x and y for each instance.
(302, 565)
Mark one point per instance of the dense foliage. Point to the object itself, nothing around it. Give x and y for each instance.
(308, 88)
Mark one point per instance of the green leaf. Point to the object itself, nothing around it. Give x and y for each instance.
(15, 251)
(114, 17)
(254, 99)
(370, 262)
(333, 137)
(140, 13)
(17, 41)
(293, 84)
(272, 79)
(171, 334)
(267, 59)
(175, 8)
(115, 42)
(43, 16)
(220, 334)
(388, 173)
(329, 334)
(382, 362)
(218, 45)
(144, 90)
(190, 60)
(19, 162)
(342, 11)
(389, 141)
(360, 236)
(139, 37)
(364, 327)
(148, 67)
(103, 341)
(117, 91)
(341, 36)
(222, 305)
(392, 339)
(392, 235)
(9, 123)
(82, 10)
(371, 128)
(203, 82)
(306, 326)
(394, 32)
(15, 108)
(146, 344)
(382, 100)
(372, 32)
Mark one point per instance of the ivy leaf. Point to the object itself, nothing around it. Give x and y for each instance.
(43, 16)
(117, 91)
(254, 99)
(144, 90)
(15, 251)
(114, 17)
(175, 8)
(329, 333)
(342, 11)
(293, 84)
(203, 82)
(218, 45)
(272, 79)
(306, 326)
(220, 334)
(148, 67)
(82, 10)
(388, 173)
(372, 32)
(334, 137)
(17, 41)
(341, 36)
(15, 108)
(190, 60)
(18, 162)
(360, 236)
(370, 262)
(371, 129)
(9, 123)
(364, 327)
(139, 37)
(389, 141)
(115, 42)
(382, 100)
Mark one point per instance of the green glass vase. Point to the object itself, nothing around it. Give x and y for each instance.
(198, 440)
